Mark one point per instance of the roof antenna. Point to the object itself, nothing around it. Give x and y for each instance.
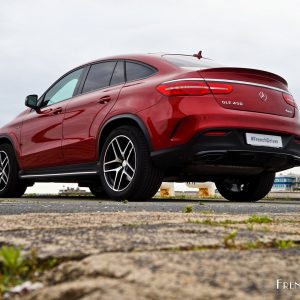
(199, 55)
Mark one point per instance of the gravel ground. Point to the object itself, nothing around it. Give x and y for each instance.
(157, 255)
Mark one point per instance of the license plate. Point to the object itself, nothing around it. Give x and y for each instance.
(265, 140)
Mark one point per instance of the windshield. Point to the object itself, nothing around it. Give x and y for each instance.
(189, 61)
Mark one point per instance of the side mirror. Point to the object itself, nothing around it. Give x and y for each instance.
(32, 101)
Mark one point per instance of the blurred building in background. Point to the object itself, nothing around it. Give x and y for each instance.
(286, 183)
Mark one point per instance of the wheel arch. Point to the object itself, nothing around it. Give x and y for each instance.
(120, 120)
(4, 139)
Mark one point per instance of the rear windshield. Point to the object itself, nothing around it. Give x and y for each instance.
(188, 61)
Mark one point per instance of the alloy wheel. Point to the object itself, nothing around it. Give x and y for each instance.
(119, 164)
(4, 170)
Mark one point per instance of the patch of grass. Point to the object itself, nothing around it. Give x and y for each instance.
(190, 221)
(259, 219)
(12, 267)
(188, 209)
(254, 219)
(208, 222)
(16, 267)
(212, 222)
(251, 245)
(229, 240)
(125, 201)
(12, 263)
(201, 203)
(282, 244)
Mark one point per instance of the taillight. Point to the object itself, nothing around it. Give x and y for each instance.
(193, 88)
(184, 88)
(289, 99)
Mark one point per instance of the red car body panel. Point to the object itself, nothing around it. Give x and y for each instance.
(48, 138)
(41, 137)
(193, 115)
(82, 120)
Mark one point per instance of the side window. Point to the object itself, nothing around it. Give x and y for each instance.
(99, 76)
(136, 71)
(63, 89)
(118, 75)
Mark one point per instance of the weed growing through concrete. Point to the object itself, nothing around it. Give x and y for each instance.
(16, 267)
(188, 209)
(12, 264)
(229, 240)
(282, 244)
(259, 219)
(254, 219)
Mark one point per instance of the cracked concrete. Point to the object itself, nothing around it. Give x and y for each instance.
(157, 255)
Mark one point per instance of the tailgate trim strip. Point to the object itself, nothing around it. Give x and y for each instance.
(232, 81)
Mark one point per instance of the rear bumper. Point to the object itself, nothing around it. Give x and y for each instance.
(204, 153)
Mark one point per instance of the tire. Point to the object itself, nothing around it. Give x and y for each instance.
(98, 191)
(246, 189)
(127, 171)
(10, 184)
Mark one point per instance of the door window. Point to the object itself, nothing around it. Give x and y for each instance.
(63, 89)
(99, 76)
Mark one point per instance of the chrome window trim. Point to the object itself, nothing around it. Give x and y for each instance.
(231, 81)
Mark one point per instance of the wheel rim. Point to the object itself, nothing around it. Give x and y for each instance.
(4, 170)
(119, 163)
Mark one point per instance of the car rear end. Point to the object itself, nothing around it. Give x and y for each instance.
(227, 120)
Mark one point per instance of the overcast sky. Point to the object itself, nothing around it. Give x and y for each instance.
(41, 40)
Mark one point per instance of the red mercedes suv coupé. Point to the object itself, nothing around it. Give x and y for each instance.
(122, 124)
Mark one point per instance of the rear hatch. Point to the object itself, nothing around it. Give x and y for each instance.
(251, 90)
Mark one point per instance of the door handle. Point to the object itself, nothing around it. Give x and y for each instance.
(104, 99)
(57, 111)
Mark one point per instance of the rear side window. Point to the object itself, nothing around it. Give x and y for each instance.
(136, 71)
(99, 76)
(119, 74)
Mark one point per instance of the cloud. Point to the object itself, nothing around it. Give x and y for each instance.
(40, 40)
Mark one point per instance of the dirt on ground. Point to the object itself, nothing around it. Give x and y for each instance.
(160, 255)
